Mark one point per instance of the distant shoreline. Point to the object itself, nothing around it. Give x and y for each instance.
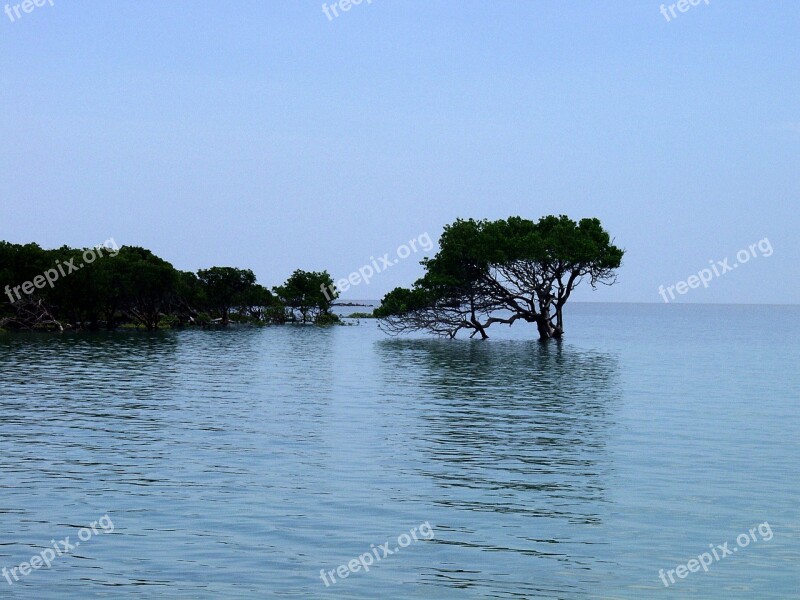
(351, 304)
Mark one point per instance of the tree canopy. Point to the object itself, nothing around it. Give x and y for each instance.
(489, 272)
(304, 297)
(101, 287)
(226, 287)
(484, 273)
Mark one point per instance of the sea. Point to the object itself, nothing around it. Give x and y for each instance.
(654, 452)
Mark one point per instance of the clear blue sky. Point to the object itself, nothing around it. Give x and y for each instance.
(263, 135)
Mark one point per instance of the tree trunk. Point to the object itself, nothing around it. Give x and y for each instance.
(543, 325)
(478, 327)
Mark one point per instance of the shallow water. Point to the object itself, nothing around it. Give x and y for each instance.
(238, 464)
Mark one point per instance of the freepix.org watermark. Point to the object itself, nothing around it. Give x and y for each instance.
(332, 11)
(367, 272)
(720, 551)
(63, 269)
(13, 10)
(681, 5)
(718, 268)
(46, 557)
(366, 560)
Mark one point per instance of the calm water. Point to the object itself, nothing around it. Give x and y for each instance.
(237, 464)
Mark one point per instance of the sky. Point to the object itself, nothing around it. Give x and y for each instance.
(266, 135)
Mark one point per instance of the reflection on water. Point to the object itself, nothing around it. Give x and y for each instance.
(237, 464)
(514, 430)
(519, 415)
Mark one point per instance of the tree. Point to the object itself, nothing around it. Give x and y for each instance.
(488, 272)
(147, 284)
(258, 301)
(305, 293)
(226, 288)
(87, 288)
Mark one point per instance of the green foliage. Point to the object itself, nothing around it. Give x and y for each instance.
(304, 297)
(131, 287)
(488, 272)
(485, 272)
(401, 301)
(147, 285)
(326, 319)
(226, 288)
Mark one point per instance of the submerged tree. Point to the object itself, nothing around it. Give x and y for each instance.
(305, 298)
(452, 294)
(226, 288)
(488, 272)
(90, 288)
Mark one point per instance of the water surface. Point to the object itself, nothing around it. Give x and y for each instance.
(238, 464)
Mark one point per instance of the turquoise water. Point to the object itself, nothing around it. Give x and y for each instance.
(238, 464)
